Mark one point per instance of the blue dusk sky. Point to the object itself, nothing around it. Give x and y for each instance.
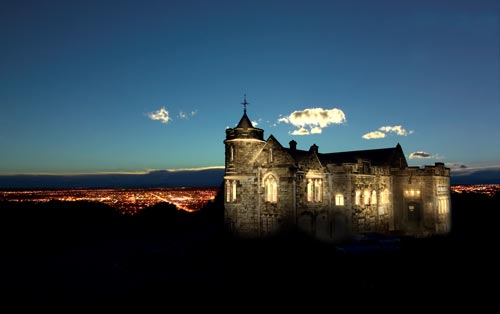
(131, 86)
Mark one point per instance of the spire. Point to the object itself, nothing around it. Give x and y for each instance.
(245, 103)
(245, 122)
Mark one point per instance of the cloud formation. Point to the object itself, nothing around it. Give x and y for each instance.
(313, 120)
(300, 131)
(456, 165)
(161, 115)
(398, 129)
(316, 130)
(374, 134)
(185, 116)
(420, 155)
(195, 169)
(384, 130)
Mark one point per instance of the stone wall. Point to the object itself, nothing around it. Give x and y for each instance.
(353, 198)
(422, 200)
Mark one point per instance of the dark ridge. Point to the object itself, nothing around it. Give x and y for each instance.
(163, 178)
(82, 253)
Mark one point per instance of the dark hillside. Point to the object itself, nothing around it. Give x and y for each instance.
(87, 253)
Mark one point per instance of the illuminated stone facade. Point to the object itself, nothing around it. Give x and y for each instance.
(270, 188)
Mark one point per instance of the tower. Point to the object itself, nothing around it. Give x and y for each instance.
(242, 144)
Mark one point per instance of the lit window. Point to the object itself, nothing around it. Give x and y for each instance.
(309, 190)
(412, 193)
(374, 197)
(366, 197)
(442, 206)
(231, 151)
(314, 190)
(357, 198)
(385, 196)
(271, 189)
(231, 191)
(317, 190)
(339, 200)
(381, 210)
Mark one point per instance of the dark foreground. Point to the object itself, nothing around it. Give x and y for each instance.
(85, 254)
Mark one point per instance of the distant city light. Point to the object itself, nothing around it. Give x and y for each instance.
(127, 201)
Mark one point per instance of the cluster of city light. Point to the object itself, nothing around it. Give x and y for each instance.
(488, 189)
(129, 201)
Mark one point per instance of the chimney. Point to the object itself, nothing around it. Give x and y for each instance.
(314, 148)
(293, 145)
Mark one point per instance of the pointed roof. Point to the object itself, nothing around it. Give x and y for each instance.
(245, 122)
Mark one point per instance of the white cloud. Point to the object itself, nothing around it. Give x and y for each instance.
(313, 118)
(420, 155)
(398, 129)
(374, 134)
(161, 115)
(301, 131)
(195, 169)
(316, 130)
(185, 116)
(255, 123)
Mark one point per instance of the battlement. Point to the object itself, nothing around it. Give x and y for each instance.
(437, 170)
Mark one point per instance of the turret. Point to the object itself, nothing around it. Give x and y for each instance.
(242, 143)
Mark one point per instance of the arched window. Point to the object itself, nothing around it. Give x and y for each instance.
(374, 197)
(309, 190)
(366, 197)
(231, 191)
(357, 198)
(317, 190)
(314, 190)
(385, 196)
(271, 185)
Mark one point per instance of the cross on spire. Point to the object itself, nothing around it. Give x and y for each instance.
(245, 103)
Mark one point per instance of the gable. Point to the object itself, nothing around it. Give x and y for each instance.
(273, 153)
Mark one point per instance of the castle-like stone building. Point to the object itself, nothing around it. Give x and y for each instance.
(270, 188)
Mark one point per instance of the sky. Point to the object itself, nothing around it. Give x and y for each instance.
(133, 86)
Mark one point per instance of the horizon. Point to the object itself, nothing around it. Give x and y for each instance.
(100, 88)
(212, 177)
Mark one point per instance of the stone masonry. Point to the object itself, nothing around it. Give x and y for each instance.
(269, 188)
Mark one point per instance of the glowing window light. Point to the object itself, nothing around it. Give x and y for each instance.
(339, 200)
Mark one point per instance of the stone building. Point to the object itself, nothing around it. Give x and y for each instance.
(270, 188)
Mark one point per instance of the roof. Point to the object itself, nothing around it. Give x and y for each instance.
(297, 154)
(245, 122)
(392, 157)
